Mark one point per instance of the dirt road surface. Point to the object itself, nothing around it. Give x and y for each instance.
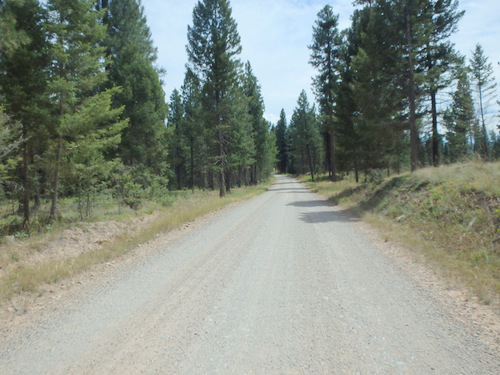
(281, 284)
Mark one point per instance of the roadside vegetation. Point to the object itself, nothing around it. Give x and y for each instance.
(24, 269)
(449, 214)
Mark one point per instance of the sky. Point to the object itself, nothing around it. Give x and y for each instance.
(275, 35)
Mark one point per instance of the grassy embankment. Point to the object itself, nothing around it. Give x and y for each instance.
(450, 214)
(19, 274)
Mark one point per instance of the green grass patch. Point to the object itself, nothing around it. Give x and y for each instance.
(450, 214)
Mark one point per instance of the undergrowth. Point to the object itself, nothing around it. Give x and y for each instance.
(451, 214)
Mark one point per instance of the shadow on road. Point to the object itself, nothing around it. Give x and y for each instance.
(327, 217)
(313, 203)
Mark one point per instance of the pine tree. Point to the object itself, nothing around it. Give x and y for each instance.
(96, 129)
(442, 17)
(482, 72)
(325, 57)
(193, 130)
(132, 57)
(459, 119)
(13, 35)
(81, 113)
(177, 141)
(306, 139)
(281, 142)
(259, 124)
(347, 137)
(10, 142)
(23, 87)
(394, 38)
(270, 151)
(240, 147)
(377, 90)
(412, 34)
(213, 44)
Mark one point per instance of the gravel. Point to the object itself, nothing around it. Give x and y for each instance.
(281, 284)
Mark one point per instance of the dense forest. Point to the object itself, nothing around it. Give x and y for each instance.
(83, 111)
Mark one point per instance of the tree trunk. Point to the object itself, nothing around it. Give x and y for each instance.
(26, 181)
(222, 177)
(332, 155)
(484, 140)
(229, 176)
(435, 134)
(328, 159)
(191, 182)
(55, 192)
(411, 90)
(311, 166)
(38, 199)
(356, 165)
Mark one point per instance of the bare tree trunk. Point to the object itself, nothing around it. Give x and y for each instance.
(328, 159)
(191, 182)
(356, 165)
(228, 180)
(55, 192)
(26, 182)
(435, 134)
(486, 149)
(222, 177)
(311, 166)
(332, 155)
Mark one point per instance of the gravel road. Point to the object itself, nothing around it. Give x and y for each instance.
(281, 284)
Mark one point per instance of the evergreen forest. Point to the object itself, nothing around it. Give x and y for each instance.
(392, 94)
(83, 112)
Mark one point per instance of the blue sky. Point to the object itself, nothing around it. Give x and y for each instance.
(275, 35)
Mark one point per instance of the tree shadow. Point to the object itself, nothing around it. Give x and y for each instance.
(330, 214)
(312, 203)
(328, 217)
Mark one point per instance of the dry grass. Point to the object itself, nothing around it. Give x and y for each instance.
(450, 214)
(19, 274)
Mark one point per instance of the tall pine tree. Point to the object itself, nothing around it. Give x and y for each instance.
(482, 73)
(193, 130)
(177, 141)
(23, 86)
(306, 140)
(437, 57)
(281, 142)
(132, 57)
(325, 57)
(83, 126)
(259, 124)
(213, 46)
(376, 89)
(459, 119)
